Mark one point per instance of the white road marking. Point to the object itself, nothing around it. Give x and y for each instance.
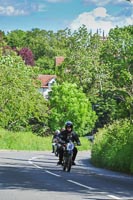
(52, 173)
(113, 197)
(71, 181)
(85, 186)
(90, 188)
(32, 163)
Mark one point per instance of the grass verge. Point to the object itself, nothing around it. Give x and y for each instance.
(30, 141)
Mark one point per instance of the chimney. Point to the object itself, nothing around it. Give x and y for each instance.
(59, 60)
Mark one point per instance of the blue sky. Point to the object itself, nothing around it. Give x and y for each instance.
(60, 14)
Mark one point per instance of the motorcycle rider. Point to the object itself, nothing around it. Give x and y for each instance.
(54, 140)
(63, 138)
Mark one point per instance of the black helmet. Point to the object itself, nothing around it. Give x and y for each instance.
(68, 124)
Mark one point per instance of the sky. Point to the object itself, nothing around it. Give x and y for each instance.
(101, 15)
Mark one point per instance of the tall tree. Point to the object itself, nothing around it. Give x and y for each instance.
(27, 56)
(117, 54)
(67, 102)
(16, 38)
(19, 100)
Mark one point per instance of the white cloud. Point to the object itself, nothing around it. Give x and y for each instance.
(131, 1)
(96, 19)
(20, 8)
(104, 2)
(96, 2)
(41, 8)
(11, 11)
(99, 19)
(99, 12)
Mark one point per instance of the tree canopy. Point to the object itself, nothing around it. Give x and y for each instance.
(20, 101)
(67, 102)
(102, 66)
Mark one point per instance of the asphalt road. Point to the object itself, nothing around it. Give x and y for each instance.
(26, 175)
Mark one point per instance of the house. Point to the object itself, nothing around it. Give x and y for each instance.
(46, 82)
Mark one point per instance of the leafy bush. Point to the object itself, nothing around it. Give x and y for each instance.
(113, 147)
(67, 102)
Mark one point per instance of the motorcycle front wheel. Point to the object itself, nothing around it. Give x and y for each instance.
(67, 163)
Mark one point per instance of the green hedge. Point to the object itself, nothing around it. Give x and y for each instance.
(113, 147)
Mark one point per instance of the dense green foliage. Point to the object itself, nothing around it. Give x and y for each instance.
(94, 86)
(102, 66)
(20, 102)
(67, 102)
(113, 147)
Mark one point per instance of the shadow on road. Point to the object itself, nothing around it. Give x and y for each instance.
(17, 173)
(27, 177)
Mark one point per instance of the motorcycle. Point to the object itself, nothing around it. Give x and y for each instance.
(56, 146)
(67, 156)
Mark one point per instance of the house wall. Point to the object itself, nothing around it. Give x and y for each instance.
(45, 90)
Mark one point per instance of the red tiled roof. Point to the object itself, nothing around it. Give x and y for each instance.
(45, 79)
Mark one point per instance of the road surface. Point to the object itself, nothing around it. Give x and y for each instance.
(26, 175)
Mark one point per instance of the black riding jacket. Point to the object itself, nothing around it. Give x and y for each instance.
(65, 136)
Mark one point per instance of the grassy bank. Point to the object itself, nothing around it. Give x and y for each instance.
(113, 147)
(29, 141)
